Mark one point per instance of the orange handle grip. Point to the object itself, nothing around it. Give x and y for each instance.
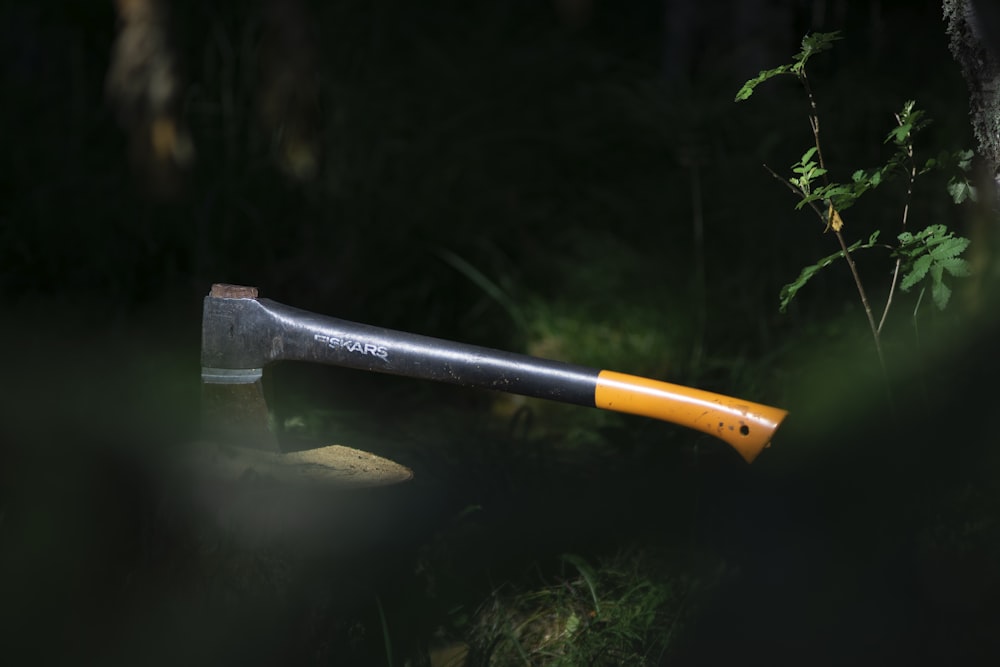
(747, 427)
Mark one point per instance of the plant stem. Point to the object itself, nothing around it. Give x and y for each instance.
(906, 213)
(875, 328)
(876, 333)
(813, 119)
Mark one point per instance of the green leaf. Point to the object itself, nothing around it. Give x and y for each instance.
(949, 247)
(839, 193)
(813, 44)
(910, 121)
(961, 189)
(917, 272)
(940, 291)
(899, 134)
(808, 155)
(789, 291)
(747, 90)
(957, 267)
(929, 255)
(964, 159)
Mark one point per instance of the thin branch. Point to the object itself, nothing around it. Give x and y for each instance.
(813, 119)
(864, 301)
(906, 213)
(892, 291)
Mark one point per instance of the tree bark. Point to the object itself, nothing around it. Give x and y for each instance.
(973, 27)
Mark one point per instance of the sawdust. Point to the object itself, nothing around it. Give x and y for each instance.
(346, 463)
(336, 465)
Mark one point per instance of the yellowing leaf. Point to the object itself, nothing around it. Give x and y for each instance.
(833, 220)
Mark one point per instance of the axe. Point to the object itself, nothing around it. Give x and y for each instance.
(241, 334)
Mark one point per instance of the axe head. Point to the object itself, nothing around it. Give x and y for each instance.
(239, 436)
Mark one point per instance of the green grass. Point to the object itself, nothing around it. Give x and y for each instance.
(627, 609)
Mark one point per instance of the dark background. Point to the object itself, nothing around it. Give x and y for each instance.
(595, 169)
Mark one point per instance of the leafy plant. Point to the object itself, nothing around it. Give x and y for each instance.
(919, 258)
(930, 254)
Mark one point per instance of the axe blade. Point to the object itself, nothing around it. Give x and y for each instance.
(236, 413)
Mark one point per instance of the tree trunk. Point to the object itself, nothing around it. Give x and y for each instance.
(974, 30)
